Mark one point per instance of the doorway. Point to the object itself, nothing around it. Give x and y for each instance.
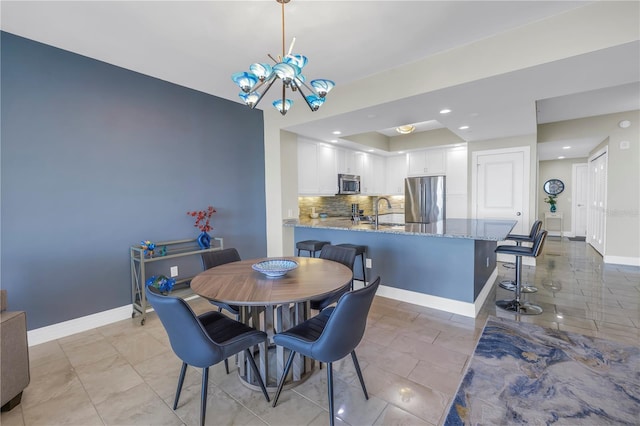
(579, 200)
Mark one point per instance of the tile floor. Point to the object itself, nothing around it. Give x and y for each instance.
(412, 359)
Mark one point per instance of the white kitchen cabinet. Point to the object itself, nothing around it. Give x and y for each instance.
(456, 183)
(456, 206)
(349, 161)
(327, 170)
(372, 180)
(456, 163)
(317, 172)
(396, 172)
(427, 162)
(307, 168)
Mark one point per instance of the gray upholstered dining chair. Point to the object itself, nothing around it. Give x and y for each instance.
(330, 336)
(344, 255)
(203, 341)
(211, 259)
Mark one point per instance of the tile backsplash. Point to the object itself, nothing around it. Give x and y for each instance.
(340, 205)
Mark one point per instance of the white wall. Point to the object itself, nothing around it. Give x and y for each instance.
(623, 189)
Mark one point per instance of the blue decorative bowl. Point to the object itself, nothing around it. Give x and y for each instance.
(275, 267)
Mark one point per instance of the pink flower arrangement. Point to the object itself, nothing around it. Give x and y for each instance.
(203, 218)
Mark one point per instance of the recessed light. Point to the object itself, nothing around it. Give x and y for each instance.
(559, 316)
(624, 124)
(445, 111)
(334, 141)
(337, 132)
(463, 127)
(370, 150)
(561, 157)
(566, 147)
(400, 152)
(405, 130)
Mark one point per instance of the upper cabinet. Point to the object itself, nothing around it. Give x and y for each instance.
(327, 170)
(349, 162)
(307, 168)
(396, 168)
(373, 177)
(317, 170)
(427, 162)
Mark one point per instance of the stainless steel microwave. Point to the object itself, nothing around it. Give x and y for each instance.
(348, 184)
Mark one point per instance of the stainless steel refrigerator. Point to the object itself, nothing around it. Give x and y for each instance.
(424, 199)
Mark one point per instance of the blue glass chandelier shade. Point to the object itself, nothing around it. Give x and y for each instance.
(287, 68)
(289, 71)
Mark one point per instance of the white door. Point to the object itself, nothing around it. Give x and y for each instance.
(579, 204)
(597, 201)
(501, 186)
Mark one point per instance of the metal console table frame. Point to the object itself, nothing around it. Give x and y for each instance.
(171, 249)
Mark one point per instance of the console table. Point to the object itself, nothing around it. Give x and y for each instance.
(550, 218)
(165, 250)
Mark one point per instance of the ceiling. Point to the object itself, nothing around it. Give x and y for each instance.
(199, 44)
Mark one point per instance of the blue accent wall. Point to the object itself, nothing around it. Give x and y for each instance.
(96, 158)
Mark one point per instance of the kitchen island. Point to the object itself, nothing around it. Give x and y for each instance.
(448, 265)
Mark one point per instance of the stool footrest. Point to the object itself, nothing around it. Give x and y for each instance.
(519, 307)
(511, 286)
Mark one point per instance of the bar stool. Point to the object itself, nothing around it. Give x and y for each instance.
(360, 251)
(312, 246)
(516, 305)
(519, 239)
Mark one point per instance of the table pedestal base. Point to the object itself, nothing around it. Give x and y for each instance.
(270, 358)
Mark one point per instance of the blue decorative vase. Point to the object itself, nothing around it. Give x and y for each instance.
(204, 240)
(552, 208)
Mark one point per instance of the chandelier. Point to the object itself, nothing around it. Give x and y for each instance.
(287, 68)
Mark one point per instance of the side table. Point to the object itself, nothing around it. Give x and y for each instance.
(550, 218)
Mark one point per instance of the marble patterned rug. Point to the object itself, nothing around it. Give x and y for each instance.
(525, 374)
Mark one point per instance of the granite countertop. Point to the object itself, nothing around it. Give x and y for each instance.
(475, 229)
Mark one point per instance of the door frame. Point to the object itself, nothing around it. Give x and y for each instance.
(526, 183)
(574, 201)
(604, 151)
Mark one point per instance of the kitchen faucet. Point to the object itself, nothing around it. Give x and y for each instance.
(376, 210)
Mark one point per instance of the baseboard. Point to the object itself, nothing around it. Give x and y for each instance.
(486, 290)
(77, 325)
(443, 304)
(621, 260)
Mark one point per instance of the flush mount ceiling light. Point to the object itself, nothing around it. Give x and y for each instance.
(624, 124)
(445, 111)
(405, 130)
(287, 68)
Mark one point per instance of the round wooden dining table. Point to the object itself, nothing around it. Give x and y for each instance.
(272, 305)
